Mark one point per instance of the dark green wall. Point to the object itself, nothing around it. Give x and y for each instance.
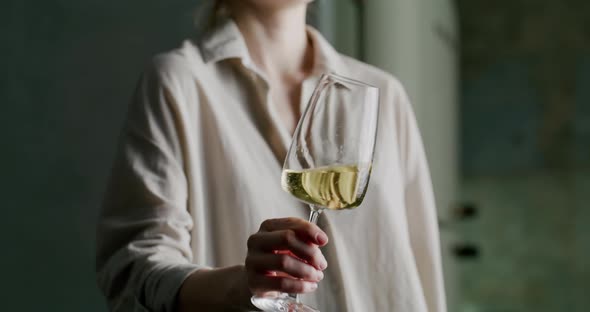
(525, 116)
(68, 70)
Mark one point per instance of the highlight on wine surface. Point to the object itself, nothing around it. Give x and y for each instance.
(333, 187)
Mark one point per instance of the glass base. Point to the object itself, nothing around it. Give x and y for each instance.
(282, 303)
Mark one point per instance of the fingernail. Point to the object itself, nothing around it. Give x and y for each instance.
(323, 265)
(321, 238)
(314, 286)
(321, 275)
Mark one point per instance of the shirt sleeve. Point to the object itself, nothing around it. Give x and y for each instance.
(420, 206)
(143, 233)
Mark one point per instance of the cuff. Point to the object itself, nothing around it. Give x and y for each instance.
(162, 286)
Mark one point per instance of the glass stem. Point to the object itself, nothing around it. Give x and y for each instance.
(314, 214)
(313, 218)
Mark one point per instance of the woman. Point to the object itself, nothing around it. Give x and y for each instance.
(195, 212)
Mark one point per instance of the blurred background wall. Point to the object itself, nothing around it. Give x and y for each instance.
(68, 68)
(520, 153)
(525, 153)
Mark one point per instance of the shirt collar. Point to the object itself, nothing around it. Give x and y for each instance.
(225, 41)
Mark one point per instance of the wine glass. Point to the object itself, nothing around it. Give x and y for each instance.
(330, 159)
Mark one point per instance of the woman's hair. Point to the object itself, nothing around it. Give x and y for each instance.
(219, 12)
(210, 13)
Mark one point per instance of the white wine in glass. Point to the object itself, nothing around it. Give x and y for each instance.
(330, 159)
(332, 187)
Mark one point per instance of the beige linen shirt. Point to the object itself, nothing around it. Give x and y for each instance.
(199, 168)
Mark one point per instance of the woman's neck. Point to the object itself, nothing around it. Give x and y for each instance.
(276, 39)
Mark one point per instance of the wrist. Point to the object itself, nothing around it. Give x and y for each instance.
(239, 292)
(223, 289)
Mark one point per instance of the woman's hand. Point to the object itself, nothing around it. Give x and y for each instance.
(284, 256)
